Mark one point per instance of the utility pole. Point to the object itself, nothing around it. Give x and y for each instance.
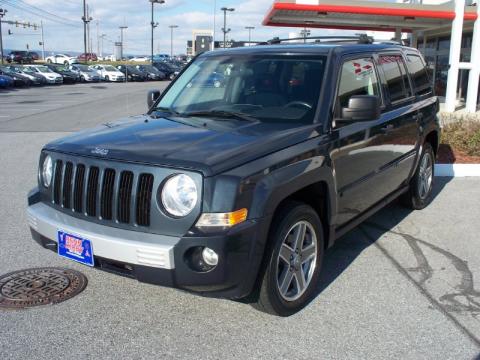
(124, 27)
(98, 39)
(153, 23)
(102, 37)
(249, 28)
(3, 12)
(214, 23)
(225, 30)
(171, 38)
(86, 19)
(43, 41)
(305, 34)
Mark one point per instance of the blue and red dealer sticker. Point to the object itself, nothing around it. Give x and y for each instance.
(75, 248)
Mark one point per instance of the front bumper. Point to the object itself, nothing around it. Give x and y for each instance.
(159, 259)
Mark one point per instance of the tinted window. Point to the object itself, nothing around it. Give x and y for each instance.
(396, 76)
(419, 75)
(358, 77)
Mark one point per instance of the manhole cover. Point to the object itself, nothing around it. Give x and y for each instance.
(98, 87)
(37, 287)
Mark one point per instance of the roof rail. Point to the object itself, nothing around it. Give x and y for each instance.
(359, 39)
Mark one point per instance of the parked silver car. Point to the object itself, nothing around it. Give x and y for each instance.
(86, 73)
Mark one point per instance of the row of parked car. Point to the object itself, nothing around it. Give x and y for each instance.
(29, 75)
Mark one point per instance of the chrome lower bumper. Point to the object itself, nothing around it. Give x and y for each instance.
(108, 242)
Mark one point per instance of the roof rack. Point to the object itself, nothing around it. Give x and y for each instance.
(359, 39)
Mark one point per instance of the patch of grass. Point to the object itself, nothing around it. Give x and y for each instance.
(463, 136)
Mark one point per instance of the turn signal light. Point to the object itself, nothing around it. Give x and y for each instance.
(222, 220)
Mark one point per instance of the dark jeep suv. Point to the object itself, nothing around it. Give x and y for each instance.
(237, 188)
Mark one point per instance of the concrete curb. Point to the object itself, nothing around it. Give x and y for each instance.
(457, 170)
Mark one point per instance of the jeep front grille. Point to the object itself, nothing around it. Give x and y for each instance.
(104, 193)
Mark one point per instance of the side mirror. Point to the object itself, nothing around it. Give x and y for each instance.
(362, 108)
(153, 95)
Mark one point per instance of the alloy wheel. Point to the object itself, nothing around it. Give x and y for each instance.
(296, 261)
(425, 176)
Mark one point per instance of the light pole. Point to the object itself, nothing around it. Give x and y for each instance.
(102, 37)
(86, 19)
(153, 23)
(249, 28)
(305, 34)
(124, 27)
(2, 14)
(225, 30)
(171, 38)
(214, 23)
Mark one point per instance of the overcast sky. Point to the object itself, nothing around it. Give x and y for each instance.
(188, 15)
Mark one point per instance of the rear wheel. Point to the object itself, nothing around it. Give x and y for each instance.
(419, 194)
(293, 268)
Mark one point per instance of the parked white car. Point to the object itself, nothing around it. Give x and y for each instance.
(61, 59)
(108, 73)
(49, 75)
(140, 59)
(86, 73)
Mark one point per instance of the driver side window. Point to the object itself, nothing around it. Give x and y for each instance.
(358, 77)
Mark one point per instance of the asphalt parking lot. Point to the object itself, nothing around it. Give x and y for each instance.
(403, 285)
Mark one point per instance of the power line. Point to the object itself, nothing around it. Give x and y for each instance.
(23, 8)
(45, 11)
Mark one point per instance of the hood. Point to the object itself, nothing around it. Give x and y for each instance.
(205, 145)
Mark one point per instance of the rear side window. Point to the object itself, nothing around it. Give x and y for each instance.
(419, 75)
(396, 76)
(358, 77)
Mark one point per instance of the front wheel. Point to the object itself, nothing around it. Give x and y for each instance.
(419, 194)
(293, 268)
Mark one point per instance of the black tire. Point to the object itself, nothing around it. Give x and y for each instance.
(49, 61)
(416, 198)
(107, 79)
(82, 79)
(270, 298)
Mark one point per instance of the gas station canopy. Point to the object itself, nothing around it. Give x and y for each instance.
(364, 15)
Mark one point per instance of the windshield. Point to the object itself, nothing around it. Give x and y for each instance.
(43, 69)
(82, 68)
(59, 68)
(109, 68)
(27, 70)
(269, 88)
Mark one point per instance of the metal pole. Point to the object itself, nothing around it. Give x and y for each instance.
(2, 14)
(249, 28)
(214, 22)
(43, 41)
(224, 28)
(88, 31)
(171, 38)
(455, 49)
(98, 40)
(85, 27)
(153, 27)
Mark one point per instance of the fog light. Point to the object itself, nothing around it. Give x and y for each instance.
(210, 257)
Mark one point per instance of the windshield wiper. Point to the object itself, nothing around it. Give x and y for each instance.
(221, 114)
(170, 110)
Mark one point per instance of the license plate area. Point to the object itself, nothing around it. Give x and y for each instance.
(76, 248)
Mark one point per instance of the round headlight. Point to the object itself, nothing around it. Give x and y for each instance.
(47, 171)
(179, 195)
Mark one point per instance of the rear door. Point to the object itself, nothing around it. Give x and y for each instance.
(402, 132)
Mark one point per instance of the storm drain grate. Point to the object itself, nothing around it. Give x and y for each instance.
(37, 287)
